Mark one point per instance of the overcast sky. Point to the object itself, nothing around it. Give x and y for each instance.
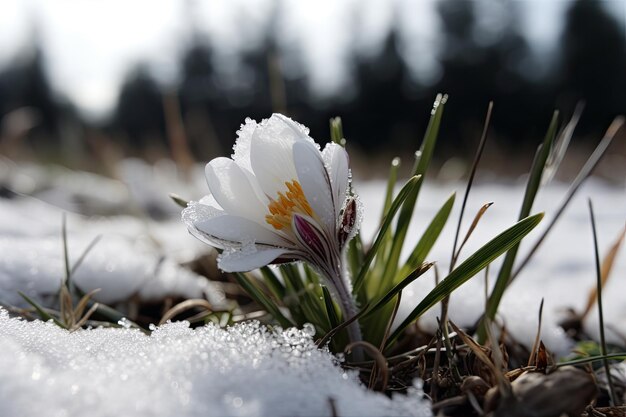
(89, 45)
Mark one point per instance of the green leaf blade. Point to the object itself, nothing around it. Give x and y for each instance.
(422, 163)
(262, 299)
(471, 266)
(429, 238)
(532, 187)
(408, 188)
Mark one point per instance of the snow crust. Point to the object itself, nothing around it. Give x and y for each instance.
(245, 370)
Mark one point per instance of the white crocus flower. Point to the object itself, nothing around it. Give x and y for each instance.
(280, 199)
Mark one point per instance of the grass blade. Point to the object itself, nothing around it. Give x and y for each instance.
(532, 187)
(262, 299)
(114, 316)
(185, 306)
(477, 218)
(428, 239)
(455, 253)
(391, 182)
(84, 301)
(536, 343)
(83, 255)
(291, 275)
(478, 351)
(181, 202)
(561, 144)
(310, 304)
(333, 319)
(470, 182)
(66, 256)
(404, 193)
(620, 356)
(392, 318)
(43, 314)
(470, 267)
(399, 287)
(607, 369)
(424, 156)
(379, 264)
(584, 173)
(342, 326)
(355, 257)
(273, 283)
(605, 272)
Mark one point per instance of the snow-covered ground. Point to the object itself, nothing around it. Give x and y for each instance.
(562, 272)
(242, 371)
(247, 370)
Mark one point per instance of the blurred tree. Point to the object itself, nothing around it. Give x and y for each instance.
(198, 80)
(25, 84)
(199, 94)
(382, 114)
(483, 57)
(593, 50)
(484, 61)
(139, 111)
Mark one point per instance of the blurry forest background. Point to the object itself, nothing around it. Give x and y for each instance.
(477, 52)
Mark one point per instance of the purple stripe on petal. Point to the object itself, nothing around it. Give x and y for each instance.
(311, 237)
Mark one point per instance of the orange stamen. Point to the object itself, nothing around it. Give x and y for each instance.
(282, 209)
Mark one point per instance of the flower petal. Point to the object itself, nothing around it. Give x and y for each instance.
(315, 183)
(234, 190)
(198, 211)
(336, 160)
(241, 150)
(248, 259)
(240, 229)
(271, 155)
(302, 130)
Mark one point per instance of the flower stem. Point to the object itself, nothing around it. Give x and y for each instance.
(349, 310)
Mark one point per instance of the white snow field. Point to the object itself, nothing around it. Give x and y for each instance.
(245, 370)
(248, 370)
(562, 271)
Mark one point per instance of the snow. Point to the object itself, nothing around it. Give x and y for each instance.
(245, 370)
(35, 266)
(137, 256)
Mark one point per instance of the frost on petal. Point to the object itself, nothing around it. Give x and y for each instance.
(271, 155)
(197, 212)
(247, 258)
(234, 190)
(315, 183)
(241, 150)
(239, 229)
(297, 127)
(336, 161)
